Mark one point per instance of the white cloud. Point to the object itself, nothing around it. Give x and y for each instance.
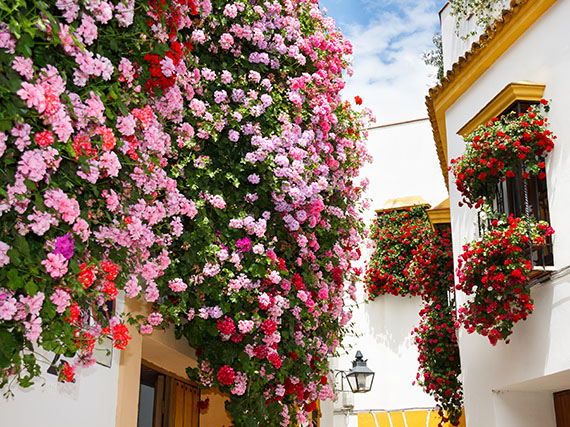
(392, 79)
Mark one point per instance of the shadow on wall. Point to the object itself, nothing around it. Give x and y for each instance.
(392, 319)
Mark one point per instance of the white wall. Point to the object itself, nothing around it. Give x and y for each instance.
(89, 402)
(540, 345)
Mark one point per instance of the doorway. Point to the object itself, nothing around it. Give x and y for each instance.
(165, 401)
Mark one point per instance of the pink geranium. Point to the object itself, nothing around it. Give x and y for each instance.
(55, 265)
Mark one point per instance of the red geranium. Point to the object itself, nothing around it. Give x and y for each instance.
(226, 375)
(500, 149)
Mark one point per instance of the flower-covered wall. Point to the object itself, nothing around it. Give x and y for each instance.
(197, 155)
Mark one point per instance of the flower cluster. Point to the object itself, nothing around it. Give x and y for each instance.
(435, 337)
(493, 270)
(194, 154)
(396, 234)
(499, 150)
(483, 11)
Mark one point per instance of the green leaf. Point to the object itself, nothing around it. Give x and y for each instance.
(31, 287)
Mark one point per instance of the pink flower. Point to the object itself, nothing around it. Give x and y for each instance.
(217, 201)
(226, 41)
(155, 319)
(245, 326)
(240, 384)
(4, 258)
(177, 285)
(132, 288)
(110, 162)
(56, 265)
(146, 329)
(33, 328)
(211, 269)
(24, 66)
(58, 200)
(87, 30)
(124, 12)
(32, 165)
(230, 10)
(8, 307)
(61, 299)
(41, 221)
(198, 36)
(3, 146)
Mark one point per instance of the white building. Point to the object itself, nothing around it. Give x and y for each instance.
(524, 56)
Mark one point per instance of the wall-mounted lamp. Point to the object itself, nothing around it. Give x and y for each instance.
(360, 377)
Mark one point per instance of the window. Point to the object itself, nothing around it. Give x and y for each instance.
(524, 198)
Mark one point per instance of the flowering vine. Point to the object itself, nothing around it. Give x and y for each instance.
(396, 234)
(436, 338)
(483, 12)
(411, 258)
(197, 155)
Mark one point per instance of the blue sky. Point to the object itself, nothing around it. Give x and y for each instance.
(389, 37)
(364, 12)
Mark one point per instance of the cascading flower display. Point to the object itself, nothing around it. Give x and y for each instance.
(499, 149)
(198, 155)
(396, 234)
(493, 270)
(432, 270)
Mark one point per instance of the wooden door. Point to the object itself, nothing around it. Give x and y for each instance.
(562, 408)
(175, 403)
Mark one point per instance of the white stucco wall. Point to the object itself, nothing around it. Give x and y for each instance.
(89, 402)
(540, 345)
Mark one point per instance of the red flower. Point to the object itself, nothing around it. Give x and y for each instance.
(358, 100)
(110, 289)
(111, 269)
(204, 404)
(121, 336)
(86, 275)
(45, 138)
(226, 375)
(67, 373)
(269, 327)
(275, 360)
(226, 326)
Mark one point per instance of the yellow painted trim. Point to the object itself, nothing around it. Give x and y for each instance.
(520, 91)
(402, 203)
(440, 214)
(498, 38)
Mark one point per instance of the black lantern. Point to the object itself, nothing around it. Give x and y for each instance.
(360, 377)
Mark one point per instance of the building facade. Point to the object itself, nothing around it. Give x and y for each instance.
(523, 57)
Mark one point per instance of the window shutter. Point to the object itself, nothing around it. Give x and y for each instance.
(182, 403)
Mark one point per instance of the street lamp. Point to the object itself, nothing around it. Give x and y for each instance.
(360, 377)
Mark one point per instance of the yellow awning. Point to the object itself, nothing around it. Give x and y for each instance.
(413, 418)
